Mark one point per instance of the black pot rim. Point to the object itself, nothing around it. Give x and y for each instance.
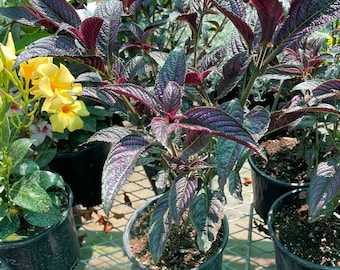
(19, 243)
(277, 242)
(274, 180)
(126, 236)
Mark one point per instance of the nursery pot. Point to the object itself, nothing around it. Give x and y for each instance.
(82, 170)
(267, 189)
(214, 262)
(55, 248)
(285, 259)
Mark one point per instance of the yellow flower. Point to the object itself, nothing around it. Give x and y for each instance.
(27, 69)
(50, 80)
(66, 115)
(9, 52)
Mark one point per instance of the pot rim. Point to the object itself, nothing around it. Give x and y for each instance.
(19, 243)
(277, 242)
(276, 181)
(126, 236)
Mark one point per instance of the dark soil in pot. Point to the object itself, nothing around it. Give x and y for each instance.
(284, 171)
(180, 252)
(317, 242)
(284, 160)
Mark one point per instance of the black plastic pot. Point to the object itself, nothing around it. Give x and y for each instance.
(55, 248)
(215, 262)
(267, 189)
(82, 170)
(284, 259)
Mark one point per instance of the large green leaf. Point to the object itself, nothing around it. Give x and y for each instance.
(43, 219)
(206, 213)
(25, 168)
(8, 226)
(160, 225)
(18, 149)
(27, 194)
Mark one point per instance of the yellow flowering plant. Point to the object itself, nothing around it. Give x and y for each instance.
(30, 199)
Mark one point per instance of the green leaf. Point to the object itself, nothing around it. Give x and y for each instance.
(45, 157)
(160, 225)
(43, 219)
(49, 179)
(27, 194)
(206, 213)
(5, 132)
(25, 168)
(8, 226)
(18, 149)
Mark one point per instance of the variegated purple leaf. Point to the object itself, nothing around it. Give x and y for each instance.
(213, 58)
(89, 29)
(23, 14)
(172, 70)
(194, 142)
(55, 46)
(172, 98)
(226, 7)
(227, 155)
(270, 12)
(235, 185)
(58, 11)
(257, 121)
(234, 109)
(160, 225)
(133, 68)
(138, 93)
(327, 87)
(324, 188)
(110, 11)
(112, 101)
(110, 135)
(206, 214)
(162, 130)
(181, 193)
(219, 123)
(305, 16)
(233, 72)
(119, 165)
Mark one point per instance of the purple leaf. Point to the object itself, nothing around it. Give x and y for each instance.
(327, 87)
(160, 225)
(194, 142)
(172, 98)
(182, 193)
(270, 12)
(89, 29)
(138, 93)
(233, 72)
(206, 214)
(119, 165)
(324, 187)
(110, 135)
(219, 123)
(58, 11)
(110, 12)
(162, 130)
(305, 16)
(226, 7)
(172, 70)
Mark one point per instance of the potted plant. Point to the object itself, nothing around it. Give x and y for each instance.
(36, 221)
(178, 112)
(294, 143)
